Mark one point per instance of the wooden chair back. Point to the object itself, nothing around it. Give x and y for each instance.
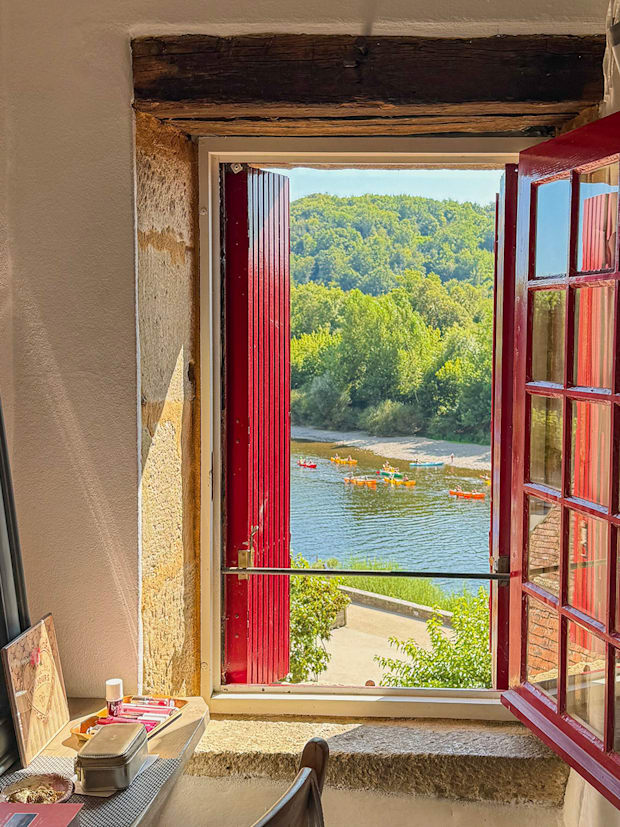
(300, 806)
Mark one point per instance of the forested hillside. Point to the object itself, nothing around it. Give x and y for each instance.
(391, 315)
(369, 240)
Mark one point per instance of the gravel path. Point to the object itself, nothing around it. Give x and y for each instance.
(466, 455)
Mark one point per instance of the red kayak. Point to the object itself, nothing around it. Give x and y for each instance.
(306, 464)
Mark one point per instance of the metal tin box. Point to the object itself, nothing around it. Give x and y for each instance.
(112, 758)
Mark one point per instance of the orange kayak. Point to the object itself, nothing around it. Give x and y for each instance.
(468, 495)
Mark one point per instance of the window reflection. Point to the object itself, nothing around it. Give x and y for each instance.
(587, 571)
(552, 228)
(546, 441)
(543, 555)
(585, 685)
(598, 217)
(593, 337)
(590, 435)
(548, 335)
(542, 646)
(617, 700)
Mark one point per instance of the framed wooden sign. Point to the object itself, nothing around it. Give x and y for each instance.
(35, 687)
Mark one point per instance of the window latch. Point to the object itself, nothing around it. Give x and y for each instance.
(245, 556)
(500, 565)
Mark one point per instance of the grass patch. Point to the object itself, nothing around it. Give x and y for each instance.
(413, 589)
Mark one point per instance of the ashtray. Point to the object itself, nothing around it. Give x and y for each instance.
(49, 788)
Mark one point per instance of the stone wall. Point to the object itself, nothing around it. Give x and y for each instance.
(167, 193)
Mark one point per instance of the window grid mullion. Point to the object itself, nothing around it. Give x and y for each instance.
(573, 240)
(612, 532)
(610, 687)
(569, 350)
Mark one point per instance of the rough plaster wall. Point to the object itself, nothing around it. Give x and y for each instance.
(167, 193)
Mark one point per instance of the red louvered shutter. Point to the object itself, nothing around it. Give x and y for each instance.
(256, 404)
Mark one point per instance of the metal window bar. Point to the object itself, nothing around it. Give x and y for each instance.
(502, 577)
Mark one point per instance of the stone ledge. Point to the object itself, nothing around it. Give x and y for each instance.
(395, 604)
(460, 760)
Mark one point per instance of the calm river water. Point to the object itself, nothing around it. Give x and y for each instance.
(420, 528)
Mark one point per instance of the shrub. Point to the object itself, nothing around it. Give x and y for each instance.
(322, 403)
(390, 418)
(315, 603)
(463, 662)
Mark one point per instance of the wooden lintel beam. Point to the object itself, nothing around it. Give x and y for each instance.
(299, 76)
(541, 125)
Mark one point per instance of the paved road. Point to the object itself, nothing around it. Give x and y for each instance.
(366, 634)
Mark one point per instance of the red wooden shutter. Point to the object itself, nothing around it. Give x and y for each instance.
(256, 423)
(564, 624)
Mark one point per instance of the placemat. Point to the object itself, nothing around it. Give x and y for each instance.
(120, 810)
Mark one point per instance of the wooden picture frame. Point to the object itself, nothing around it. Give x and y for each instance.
(36, 688)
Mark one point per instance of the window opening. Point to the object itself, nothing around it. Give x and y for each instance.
(391, 331)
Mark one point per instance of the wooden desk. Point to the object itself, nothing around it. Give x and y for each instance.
(175, 745)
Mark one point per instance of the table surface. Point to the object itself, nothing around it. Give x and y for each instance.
(175, 744)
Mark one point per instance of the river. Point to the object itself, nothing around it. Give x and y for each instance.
(421, 528)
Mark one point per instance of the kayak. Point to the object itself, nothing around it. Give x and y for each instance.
(392, 475)
(306, 464)
(425, 464)
(468, 495)
(340, 461)
(363, 481)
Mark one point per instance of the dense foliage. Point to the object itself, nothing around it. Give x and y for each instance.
(462, 661)
(315, 603)
(391, 315)
(365, 242)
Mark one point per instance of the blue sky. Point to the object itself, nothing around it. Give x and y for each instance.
(459, 184)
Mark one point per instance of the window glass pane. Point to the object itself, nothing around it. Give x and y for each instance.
(585, 685)
(544, 544)
(587, 570)
(542, 646)
(546, 441)
(590, 433)
(598, 217)
(593, 336)
(552, 228)
(548, 335)
(617, 701)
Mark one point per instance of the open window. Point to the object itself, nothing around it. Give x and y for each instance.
(564, 622)
(256, 462)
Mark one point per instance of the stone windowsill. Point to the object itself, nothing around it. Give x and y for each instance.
(461, 760)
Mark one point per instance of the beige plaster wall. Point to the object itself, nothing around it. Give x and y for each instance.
(67, 182)
(237, 802)
(611, 102)
(585, 807)
(167, 199)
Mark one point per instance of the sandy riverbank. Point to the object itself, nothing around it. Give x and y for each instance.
(466, 455)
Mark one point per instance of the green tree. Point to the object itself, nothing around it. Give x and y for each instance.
(311, 355)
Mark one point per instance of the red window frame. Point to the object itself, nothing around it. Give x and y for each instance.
(566, 157)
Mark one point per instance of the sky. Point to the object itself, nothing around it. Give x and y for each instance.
(457, 184)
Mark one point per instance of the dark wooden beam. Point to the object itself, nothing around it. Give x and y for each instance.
(434, 125)
(296, 77)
